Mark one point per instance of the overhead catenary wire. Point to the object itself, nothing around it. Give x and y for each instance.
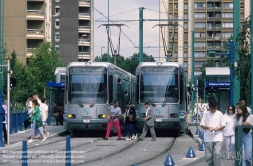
(114, 22)
(118, 14)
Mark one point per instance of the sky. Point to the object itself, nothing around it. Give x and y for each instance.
(127, 10)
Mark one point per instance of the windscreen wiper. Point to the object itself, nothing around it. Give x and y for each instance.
(164, 102)
(78, 101)
(93, 103)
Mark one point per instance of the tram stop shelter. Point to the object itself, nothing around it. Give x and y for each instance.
(220, 84)
(56, 92)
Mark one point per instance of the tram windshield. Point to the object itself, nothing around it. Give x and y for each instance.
(159, 85)
(87, 85)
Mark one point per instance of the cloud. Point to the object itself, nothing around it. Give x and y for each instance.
(127, 10)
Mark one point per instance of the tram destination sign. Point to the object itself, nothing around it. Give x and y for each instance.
(218, 84)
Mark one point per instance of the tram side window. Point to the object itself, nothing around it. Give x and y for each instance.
(137, 90)
(181, 88)
(110, 89)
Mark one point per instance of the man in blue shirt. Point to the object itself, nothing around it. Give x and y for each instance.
(114, 112)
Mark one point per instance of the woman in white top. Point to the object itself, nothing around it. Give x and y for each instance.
(243, 117)
(228, 131)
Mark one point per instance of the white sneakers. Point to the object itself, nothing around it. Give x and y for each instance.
(30, 140)
(134, 136)
(128, 139)
(43, 139)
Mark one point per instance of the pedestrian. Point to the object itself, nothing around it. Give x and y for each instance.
(148, 124)
(133, 121)
(114, 112)
(244, 101)
(127, 133)
(229, 132)
(213, 124)
(5, 120)
(61, 114)
(29, 104)
(36, 121)
(44, 112)
(243, 117)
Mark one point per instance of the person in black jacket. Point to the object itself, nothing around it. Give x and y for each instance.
(132, 121)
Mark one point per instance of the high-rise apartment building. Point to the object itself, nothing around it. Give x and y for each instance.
(212, 22)
(26, 25)
(68, 24)
(72, 32)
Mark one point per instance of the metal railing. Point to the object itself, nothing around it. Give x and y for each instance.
(83, 27)
(200, 27)
(34, 31)
(29, 49)
(227, 8)
(200, 8)
(238, 144)
(199, 18)
(83, 40)
(83, 53)
(35, 12)
(85, 1)
(84, 14)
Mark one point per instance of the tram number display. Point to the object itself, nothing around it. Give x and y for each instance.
(158, 120)
(86, 121)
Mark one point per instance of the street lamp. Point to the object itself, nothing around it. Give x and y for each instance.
(101, 50)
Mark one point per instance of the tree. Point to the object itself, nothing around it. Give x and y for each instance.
(41, 68)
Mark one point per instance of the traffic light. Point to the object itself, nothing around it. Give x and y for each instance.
(13, 82)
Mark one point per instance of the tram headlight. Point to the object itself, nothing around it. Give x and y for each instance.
(71, 116)
(102, 116)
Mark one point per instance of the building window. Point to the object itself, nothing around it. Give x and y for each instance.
(198, 64)
(185, 15)
(228, 5)
(200, 54)
(197, 73)
(227, 15)
(57, 10)
(227, 25)
(185, 54)
(57, 23)
(57, 36)
(175, 55)
(200, 25)
(185, 25)
(200, 45)
(57, 48)
(186, 6)
(57, 0)
(175, 6)
(200, 15)
(185, 64)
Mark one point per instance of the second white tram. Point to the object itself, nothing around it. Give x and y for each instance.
(163, 86)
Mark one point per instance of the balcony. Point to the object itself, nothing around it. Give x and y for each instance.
(34, 34)
(199, 18)
(35, 0)
(217, 18)
(84, 16)
(227, 18)
(84, 3)
(227, 8)
(210, 8)
(200, 47)
(29, 52)
(210, 18)
(217, 8)
(200, 28)
(83, 55)
(35, 15)
(83, 29)
(200, 37)
(84, 42)
(200, 8)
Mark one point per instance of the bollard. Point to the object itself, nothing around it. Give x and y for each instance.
(21, 120)
(135, 164)
(201, 135)
(16, 121)
(169, 161)
(202, 146)
(197, 132)
(68, 152)
(190, 153)
(24, 154)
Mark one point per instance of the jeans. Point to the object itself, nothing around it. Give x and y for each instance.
(33, 128)
(246, 149)
(213, 153)
(109, 126)
(230, 144)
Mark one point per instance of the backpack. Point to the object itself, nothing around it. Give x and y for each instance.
(3, 114)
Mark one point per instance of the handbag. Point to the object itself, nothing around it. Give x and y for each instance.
(27, 122)
(246, 130)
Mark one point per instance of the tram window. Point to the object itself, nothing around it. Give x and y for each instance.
(137, 90)
(181, 88)
(110, 86)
